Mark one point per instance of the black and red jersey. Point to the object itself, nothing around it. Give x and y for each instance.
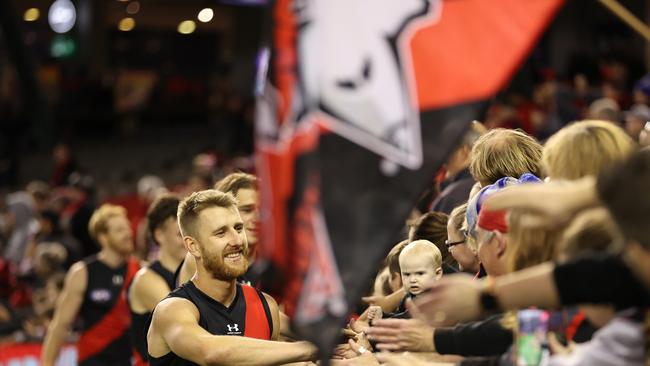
(248, 315)
(105, 315)
(139, 321)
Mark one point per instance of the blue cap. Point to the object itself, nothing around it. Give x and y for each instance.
(475, 203)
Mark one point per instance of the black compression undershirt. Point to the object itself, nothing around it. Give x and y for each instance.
(600, 279)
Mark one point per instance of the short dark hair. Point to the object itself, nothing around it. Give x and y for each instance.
(623, 189)
(164, 207)
(392, 259)
(233, 182)
(432, 226)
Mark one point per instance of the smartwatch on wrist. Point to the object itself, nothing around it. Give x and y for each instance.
(488, 299)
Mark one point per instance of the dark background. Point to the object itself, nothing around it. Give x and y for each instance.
(201, 93)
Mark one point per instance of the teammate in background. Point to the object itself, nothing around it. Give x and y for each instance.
(95, 289)
(194, 324)
(151, 284)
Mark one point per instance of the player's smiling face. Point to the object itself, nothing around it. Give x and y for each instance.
(222, 242)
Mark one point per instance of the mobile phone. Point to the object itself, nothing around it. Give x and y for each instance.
(531, 344)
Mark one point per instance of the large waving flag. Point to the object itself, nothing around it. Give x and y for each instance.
(363, 101)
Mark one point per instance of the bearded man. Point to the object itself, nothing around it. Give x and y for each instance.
(196, 323)
(95, 291)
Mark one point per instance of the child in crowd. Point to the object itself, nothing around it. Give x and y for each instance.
(420, 264)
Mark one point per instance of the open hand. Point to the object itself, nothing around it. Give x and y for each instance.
(402, 335)
(452, 299)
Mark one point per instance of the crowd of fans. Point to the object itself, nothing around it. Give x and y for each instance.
(553, 155)
(517, 203)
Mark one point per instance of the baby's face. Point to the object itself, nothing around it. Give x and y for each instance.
(417, 272)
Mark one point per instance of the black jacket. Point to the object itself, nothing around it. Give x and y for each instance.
(600, 279)
(482, 338)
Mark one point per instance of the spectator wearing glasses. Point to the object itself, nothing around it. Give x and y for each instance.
(492, 240)
(456, 243)
(485, 338)
(493, 254)
(482, 342)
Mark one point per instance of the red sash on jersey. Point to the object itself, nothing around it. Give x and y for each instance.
(138, 360)
(113, 325)
(257, 323)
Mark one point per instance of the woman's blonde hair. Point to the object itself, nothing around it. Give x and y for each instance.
(527, 246)
(593, 230)
(585, 148)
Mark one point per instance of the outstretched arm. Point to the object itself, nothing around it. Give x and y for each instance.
(175, 328)
(549, 203)
(457, 298)
(388, 303)
(67, 308)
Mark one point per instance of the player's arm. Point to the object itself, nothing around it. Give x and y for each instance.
(275, 316)
(458, 296)
(285, 327)
(175, 327)
(67, 308)
(147, 290)
(188, 268)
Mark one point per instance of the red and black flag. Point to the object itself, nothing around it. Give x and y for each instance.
(363, 101)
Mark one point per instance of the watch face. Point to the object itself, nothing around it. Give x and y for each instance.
(489, 302)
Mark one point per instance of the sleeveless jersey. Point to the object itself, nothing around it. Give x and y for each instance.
(105, 315)
(248, 315)
(139, 321)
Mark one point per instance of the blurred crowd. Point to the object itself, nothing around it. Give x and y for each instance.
(121, 104)
(544, 208)
(523, 140)
(611, 94)
(44, 230)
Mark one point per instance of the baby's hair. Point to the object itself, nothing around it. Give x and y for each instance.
(423, 248)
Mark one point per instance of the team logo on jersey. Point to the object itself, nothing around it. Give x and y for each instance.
(358, 73)
(100, 295)
(233, 329)
(118, 280)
